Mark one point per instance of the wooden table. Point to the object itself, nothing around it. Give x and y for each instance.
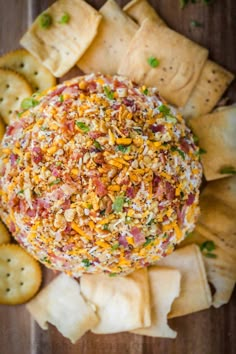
(206, 332)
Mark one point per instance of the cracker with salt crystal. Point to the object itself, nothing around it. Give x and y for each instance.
(164, 288)
(212, 83)
(61, 34)
(29, 67)
(139, 10)
(61, 304)
(160, 57)
(216, 132)
(122, 302)
(115, 33)
(195, 293)
(220, 267)
(13, 89)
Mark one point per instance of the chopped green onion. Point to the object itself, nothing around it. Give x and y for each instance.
(174, 148)
(45, 20)
(115, 246)
(153, 62)
(102, 212)
(82, 126)
(97, 145)
(123, 148)
(86, 262)
(208, 246)
(118, 204)
(65, 18)
(148, 241)
(45, 259)
(29, 102)
(164, 109)
(56, 181)
(89, 206)
(106, 227)
(58, 163)
(61, 98)
(145, 91)
(202, 151)
(43, 128)
(210, 255)
(228, 170)
(18, 160)
(21, 191)
(109, 93)
(112, 274)
(171, 119)
(195, 138)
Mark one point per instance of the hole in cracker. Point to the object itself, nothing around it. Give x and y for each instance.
(1, 99)
(207, 100)
(7, 290)
(7, 85)
(17, 98)
(161, 79)
(170, 67)
(21, 283)
(36, 73)
(22, 268)
(10, 111)
(7, 275)
(36, 88)
(22, 65)
(8, 260)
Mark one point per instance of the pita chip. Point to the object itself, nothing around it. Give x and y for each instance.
(160, 57)
(122, 302)
(56, 44)
(61, 304)
(212, 83)
(164, 288)
(115, 33)
(220, 268)
(139, 10)
(216, 132)
(195, 292)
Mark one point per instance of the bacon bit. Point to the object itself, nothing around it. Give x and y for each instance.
(139, 237)
(66, 204)
(101, 189)
(190, 199)
(184, 145)
(12, 227)
(170, 191)
(37, 154)
(96, 134)
(57, 92)
(99, 158)
(69, 126)
(10, 130)
(157, 128)
(31, 213)
(13, 159)
(130, 192)
(122, 241)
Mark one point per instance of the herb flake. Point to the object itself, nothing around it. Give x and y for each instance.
(56, 181)
(109, 93)
(153, 62)
(181, 153)
(86, 262)
(65, 18)
(82, 126)
(29, 102)
(118, 204)
(228, 170)
(45, 20)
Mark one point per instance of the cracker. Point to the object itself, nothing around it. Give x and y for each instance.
(20, 275)
(220, 268)
(115, 33)
(164, 288)
(28, 66)
(2, 128)
(195, 293)
(139, 10)
(61, 304)
(122, 302)
(60, 46)
(216, 132)
(13, 89)
(212, 83)
(4, 234)
(177, 61)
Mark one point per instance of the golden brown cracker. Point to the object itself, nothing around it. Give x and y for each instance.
(59, 46)
(139, 10)
(2, 128)
(115, 33)
(13, 89)
(20, 275)
(28, 66)
(160, 57)
(211, 85)
(5, 236)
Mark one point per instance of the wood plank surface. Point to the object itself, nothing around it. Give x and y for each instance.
(207, 332)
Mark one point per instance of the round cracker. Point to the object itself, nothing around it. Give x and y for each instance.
(28, 66)
(13, 89)
(5, 236)
(20, 275)
(2, 128)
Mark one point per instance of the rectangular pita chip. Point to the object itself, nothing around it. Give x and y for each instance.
(61, 34)
(61, 304)
(216, 132)
(139, 10)
(160, 57)
(115, 33)
(212, 83)
(220, 267)
(195, 294)
(122, 302)
(164, 288)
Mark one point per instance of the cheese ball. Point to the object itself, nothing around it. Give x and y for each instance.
(97, 175)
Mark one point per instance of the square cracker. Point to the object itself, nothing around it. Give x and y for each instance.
(211, 85)
(164, 288)
(221, 270)
(195, 294)
(115, 33)
(216, 132)
(139, 10)
(180, 61)
(60, 46)
(61, 304)
(122, 302)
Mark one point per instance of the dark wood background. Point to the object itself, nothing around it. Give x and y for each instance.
(207, 332)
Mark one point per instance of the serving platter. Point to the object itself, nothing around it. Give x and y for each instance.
(207, 332)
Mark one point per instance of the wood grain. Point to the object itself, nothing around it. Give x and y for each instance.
(206, 332)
